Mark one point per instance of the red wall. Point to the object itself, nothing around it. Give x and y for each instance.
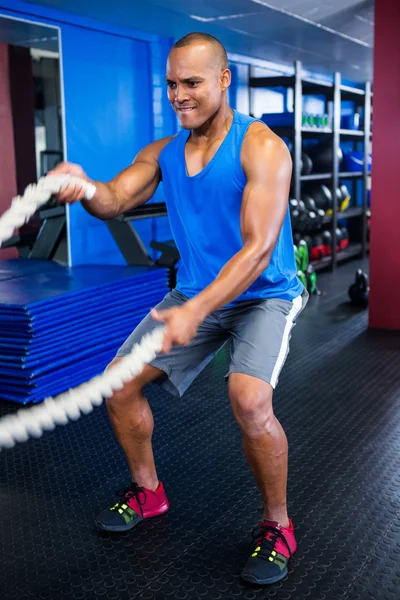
(8, 180)
(23, 113)
(384, 309)
(22, 96)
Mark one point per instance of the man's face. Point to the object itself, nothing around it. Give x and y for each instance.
(195, 84)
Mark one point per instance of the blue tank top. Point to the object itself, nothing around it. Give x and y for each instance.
(204, 214)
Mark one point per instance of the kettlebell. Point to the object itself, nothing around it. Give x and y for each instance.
(359, 290)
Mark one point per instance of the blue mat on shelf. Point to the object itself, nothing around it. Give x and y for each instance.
(60, 326)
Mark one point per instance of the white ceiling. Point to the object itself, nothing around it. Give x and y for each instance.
(326, 36)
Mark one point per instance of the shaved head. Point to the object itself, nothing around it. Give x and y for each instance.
(218, 52)
(197, 78)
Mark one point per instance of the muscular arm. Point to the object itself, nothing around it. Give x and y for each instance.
(134, 186)
(268, 167)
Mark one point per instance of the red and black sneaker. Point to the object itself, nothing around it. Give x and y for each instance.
(271, 549)
(135, 504)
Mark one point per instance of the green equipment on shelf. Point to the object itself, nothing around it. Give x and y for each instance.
(305, 271)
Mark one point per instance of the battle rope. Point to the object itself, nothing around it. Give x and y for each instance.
(68, 406)
(24, 207)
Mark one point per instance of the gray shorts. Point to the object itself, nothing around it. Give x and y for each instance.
(258, 330)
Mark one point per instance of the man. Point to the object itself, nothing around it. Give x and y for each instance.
(226, 181)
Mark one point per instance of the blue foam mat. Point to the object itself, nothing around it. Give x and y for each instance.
(50, 331)
(67, 330)
(55, 360)
(68, 348)
(152, 293)
(29, 311)
(53, 309)
(59, 384)
(61, 326)
(20, 267)
(91, 330)
(50, 371)
(37, 289)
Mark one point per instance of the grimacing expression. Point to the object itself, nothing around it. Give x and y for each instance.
(196, 83)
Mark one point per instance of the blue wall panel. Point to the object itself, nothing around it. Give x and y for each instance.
(110, 78)
(165, 124)
(108, 106)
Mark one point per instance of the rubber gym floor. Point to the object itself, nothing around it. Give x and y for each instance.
(339, 402)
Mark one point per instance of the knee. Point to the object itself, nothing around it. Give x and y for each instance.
(252, 409)
(121, 398)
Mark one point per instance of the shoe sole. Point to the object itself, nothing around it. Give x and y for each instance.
(127, 526)
(118, 528)
(252, 579)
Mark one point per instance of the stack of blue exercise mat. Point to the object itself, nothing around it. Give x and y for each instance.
(61, 326)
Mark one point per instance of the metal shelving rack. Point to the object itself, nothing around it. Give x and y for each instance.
(334, 93)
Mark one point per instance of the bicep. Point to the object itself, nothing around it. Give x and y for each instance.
(265, 197)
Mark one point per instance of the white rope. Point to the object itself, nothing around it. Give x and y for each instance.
(32, 422)
(69, 406)
(24, 207)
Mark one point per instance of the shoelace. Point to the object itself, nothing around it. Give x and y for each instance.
(133, 491)
(267, 544)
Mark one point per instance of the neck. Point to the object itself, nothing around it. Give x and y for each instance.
(215, 126)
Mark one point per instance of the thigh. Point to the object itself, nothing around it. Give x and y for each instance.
(182, 365)
(261, 333)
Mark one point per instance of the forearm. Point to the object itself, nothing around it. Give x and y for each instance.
(104, 204)
(234, 279)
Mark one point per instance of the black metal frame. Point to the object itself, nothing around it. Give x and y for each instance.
(131, 246)
(45, 243)
(50, 234)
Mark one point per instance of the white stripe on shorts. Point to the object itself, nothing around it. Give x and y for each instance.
(297, 304)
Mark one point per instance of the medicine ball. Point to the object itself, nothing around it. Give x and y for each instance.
(322, 157)
(321, 195)
(306, 164)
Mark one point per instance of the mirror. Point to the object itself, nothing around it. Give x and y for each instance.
(31, 125)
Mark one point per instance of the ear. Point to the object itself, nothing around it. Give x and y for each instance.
(225, 79)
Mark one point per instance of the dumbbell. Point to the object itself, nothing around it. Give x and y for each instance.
(298, 215)
(359, 290)
(315, 215)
